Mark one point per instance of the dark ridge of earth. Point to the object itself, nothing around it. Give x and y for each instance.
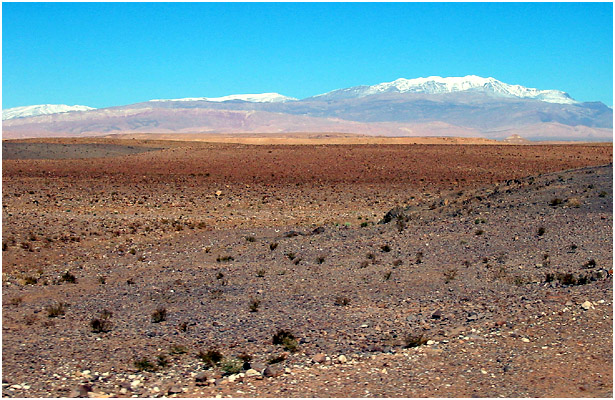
(61, 151)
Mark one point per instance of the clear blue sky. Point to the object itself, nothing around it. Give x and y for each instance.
(105, 54)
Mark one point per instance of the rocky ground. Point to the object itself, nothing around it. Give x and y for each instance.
(210, 270)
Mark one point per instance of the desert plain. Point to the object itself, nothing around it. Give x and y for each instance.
(143, 267)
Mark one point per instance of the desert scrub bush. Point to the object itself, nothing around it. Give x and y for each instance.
(211, 357)
(401, 223)
(602, 194)
(55, 310)
(479, 232)
(286, 339)
(30, 280)
(15, 301)
(68, 277)
(231, 366)
(397, 263)
(250, 239)
(450, 275)
(555, 202)
(178, 349)
(411, 341)
(224, 258)
(541, 231)
(387, 275)
(590, 264)
(102, 280)
(102, 323)
(341, 301)
(291, 256)
(364, 224)
(219, 275)
(385, 248)
(143, 364)
(261, 273)
(159, 315)
(320, 260)
(161, 361)
(574, 202)
(419, 257)
(246, 358)
(273, 246)
(254, 304)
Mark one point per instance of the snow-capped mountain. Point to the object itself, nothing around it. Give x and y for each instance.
(437, 84)
(41, 109)
(252, 98)
(454, 106)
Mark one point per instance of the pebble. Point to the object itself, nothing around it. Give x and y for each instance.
(319, 358)
(174, 390)
(586, 305)
(272, 371)
(252, 372)
(201, 377)
(342, 359)
(526, 340)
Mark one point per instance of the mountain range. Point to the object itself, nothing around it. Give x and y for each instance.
(469, 106)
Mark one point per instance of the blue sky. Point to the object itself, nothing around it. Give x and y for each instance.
(105, 54)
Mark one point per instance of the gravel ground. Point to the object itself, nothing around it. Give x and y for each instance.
(489, 290)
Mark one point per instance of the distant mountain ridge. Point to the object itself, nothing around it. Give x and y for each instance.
(252, 98)
(433, 106)
(437, 84)
(41, 109)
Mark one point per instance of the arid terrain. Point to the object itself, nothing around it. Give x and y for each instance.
(150, 268)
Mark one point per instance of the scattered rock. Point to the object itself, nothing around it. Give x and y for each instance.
(319, 358)
(252, 373)
(81, 391)
(586, 305)
(201, 379)
(259, 367)
(342, 359)
(174, 390)
(273, 371)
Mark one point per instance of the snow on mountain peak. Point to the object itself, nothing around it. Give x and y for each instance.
(253, 98)
(438, 84)
(41, 109)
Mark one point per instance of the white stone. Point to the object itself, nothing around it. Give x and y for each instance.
(342, 359)
(252, 372)
(587, 305)
(526, 340)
